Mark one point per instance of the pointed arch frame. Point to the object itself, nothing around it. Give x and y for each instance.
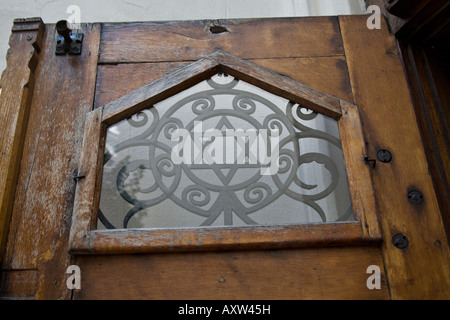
(84, 239)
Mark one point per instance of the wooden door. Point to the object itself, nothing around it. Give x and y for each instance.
(53, 112)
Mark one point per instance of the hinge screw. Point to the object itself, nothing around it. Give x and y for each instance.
(415, 197)
(400, 241)
(79, 177)
(384, 156)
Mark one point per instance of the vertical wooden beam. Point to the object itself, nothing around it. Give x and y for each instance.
(42, 210)
(17, 84)
(422, 269)
(360, 179)
(84, 212)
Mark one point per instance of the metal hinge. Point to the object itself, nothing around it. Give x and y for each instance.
(67, 42)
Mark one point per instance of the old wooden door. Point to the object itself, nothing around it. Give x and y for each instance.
(55, 109)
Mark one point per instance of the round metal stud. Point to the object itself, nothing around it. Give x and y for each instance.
(400, 241)
(384, 156)
(415, 197)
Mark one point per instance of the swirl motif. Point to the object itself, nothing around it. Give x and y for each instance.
(203, 105)
(140, 119)
(196, 195)
(255, 193)
(227, 189)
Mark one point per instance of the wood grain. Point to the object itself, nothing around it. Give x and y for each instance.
(279, 84)
(90, 170)
(42, 210)
(193, 73)
(17, 85)
(430, 99)
(358, 172)
(309, 71)
(422, 270)
(326, 74)
(157, 91)
(126, 241)
(18, 284)
(248, 39)
(137, 75)
(306, 274)
(320, 273)
(37, 249)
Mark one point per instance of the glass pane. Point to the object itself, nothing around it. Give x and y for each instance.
(223, 153)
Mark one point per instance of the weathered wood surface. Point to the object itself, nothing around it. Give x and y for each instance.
(429, 81)
(320, 273)
(309, 71)
(134, 75)
(159, 90)
(87, 195)
(17, 85)
(247, 39)
(327, 74)
(19, 284)
(37, 249)
(203, 69)
(422, 270)
(280, 85)
(41, 216)
(220, 239)
(324, 63)
(358, 172)
(424, 32)
(287, 45)
(145, 241)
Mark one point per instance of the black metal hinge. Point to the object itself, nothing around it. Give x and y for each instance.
(67, 42)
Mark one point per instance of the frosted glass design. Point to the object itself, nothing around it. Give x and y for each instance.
(223, 153)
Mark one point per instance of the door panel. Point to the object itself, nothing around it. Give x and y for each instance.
(321, 273)
(380, 88)
(305, 70)
(338, 56)
(247, 39)
(41, 215)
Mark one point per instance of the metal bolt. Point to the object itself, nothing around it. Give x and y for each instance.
(372, 162)
(29, 37)
(400, 241)
(384, 156)
(415, 197)
(79, 177)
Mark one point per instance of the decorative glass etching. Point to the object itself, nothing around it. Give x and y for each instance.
(223, 153)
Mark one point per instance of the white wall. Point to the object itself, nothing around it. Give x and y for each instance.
(153, 10)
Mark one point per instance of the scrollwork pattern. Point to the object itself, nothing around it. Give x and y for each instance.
(238, 189)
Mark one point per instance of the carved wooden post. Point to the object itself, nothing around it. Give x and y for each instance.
(17, 84)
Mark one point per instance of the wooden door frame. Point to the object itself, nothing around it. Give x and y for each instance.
(418, 25)
(17, 85)
(85, 239)
(34, 261)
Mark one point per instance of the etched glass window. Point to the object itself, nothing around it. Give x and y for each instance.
(223, 153)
